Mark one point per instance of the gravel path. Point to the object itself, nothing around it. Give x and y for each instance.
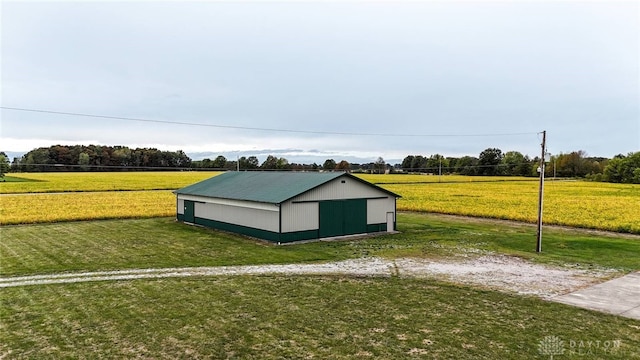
(499, 272)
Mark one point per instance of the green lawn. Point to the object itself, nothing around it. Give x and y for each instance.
(162, 242)
(14, 179)
(295, 317)
(269, 317)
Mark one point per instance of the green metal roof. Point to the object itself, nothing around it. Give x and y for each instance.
(268, 187)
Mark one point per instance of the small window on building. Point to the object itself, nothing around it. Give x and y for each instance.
(343, 181)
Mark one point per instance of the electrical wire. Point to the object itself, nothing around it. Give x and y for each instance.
(257, 128)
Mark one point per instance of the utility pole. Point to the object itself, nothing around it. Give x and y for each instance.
(541, 191)
(440, 170)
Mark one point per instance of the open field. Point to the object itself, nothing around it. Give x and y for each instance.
(324, 317)
(101, 181)
(42, 208)
(592, 205)
(161, 242)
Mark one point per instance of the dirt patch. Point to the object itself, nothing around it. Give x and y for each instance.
(505, 273)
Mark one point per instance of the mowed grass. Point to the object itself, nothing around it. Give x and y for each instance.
(7, 178)
(101, 181)
(294, 317)
(162, 242)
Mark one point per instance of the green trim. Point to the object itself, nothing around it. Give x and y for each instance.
(372, 228)
(298, 235)
(256, 233)
(270, 235)
(239, 229)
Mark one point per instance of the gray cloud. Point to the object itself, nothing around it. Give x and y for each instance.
(570, 68)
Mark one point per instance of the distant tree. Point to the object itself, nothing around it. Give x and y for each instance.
(380, 165)
(182, 159)
(515, 164)
(419, 163)
(219, 162)
(4, 165)
(434, 162)
(249, 163)
(83, 161)
(624, 169)
(329, 165)
(252, 162)
(489, 161)
(121, 156)
(206, 163)
(524, 168)
(242, 163)
(15, 164)
(344, 166)
(271, 162)
(36, 160)
(467, 165)
(407, 163)
(282, 164)
(573, 164)
(452, 161)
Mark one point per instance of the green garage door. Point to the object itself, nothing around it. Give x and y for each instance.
(343, 217)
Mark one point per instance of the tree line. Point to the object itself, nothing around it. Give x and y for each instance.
(493, 162)
(490, 162)
(98, 158)
(279, 163)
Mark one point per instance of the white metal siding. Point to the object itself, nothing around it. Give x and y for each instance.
(255, 218)
(246, 213)
(335, 190)
(180, 205)
(377, 210)
(299, 216)
(238, 203)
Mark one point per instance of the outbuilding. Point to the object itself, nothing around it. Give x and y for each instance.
(288, 206)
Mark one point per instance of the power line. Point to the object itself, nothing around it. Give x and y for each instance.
(257, 128)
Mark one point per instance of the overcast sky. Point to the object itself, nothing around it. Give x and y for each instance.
(423, 69)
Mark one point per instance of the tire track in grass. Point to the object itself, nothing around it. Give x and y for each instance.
(498, 272)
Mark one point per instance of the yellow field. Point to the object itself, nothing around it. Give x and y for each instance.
(103, 181)
(22, 209)
(573, 203)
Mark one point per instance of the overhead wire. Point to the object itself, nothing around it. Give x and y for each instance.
(316, 132)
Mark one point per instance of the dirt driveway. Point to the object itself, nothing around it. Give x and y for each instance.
(499, 272)
(578, 287)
